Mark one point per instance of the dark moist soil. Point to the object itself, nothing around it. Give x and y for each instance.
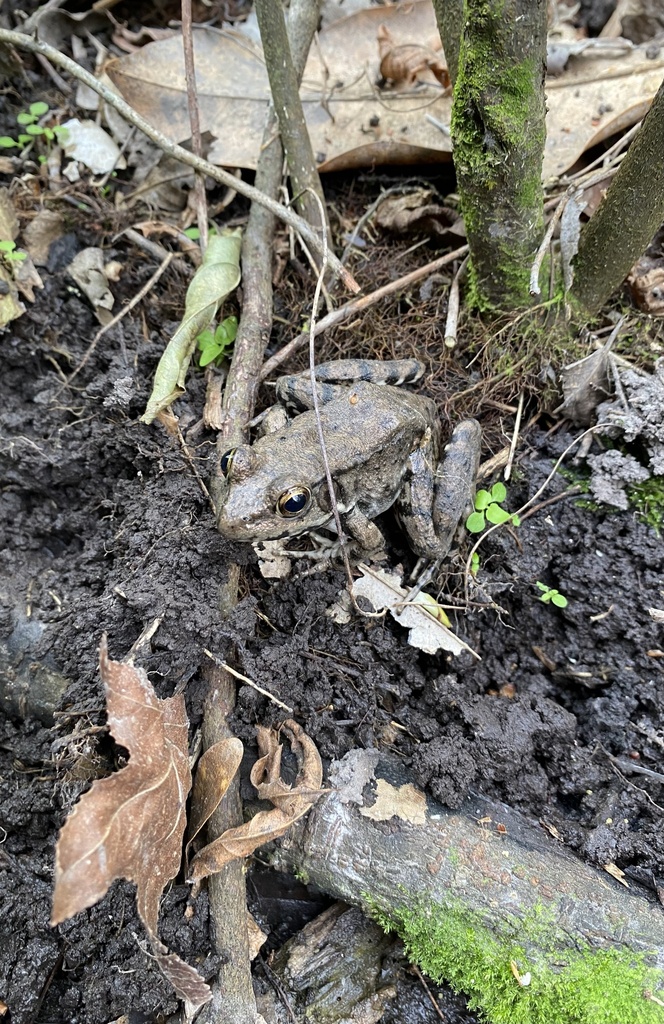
(105, 528)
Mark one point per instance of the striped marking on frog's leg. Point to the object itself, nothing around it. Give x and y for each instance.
(456, 478)
(415, 502)
(296, 391)
(351, 371)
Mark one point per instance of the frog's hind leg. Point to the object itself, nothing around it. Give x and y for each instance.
(295, 389)
(456, 478)
(416, 500)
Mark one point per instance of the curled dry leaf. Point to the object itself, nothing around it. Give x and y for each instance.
(130, 825)
(215, 279)
(417, 212)
(214, 774)
(646, 280)
(403, 63)
(290, 803)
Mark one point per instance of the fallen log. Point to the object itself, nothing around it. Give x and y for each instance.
(483, 899)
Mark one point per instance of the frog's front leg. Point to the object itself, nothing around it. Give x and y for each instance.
(363, 530)
(435, 498)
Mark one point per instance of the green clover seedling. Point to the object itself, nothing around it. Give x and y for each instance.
(213, 346)
(551, 596)
(488, 509)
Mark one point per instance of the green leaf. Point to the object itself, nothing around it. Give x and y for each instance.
(547, 596)
(24, 139)
(61, 132)
(516, 520)
(499, 492)
(205, 339)
(49, 134)
(39, 108)
(208, 355)
(482, 500)
(542, 586)
(193, 233)
(215, 279)
(226, 332)
(475, 563)
(35, 129)
(6, 245)
(475, 522)
(559, 600)
(495, 514)
(6, 142)
(25, 118)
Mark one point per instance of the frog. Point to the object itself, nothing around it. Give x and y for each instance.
(383, 449)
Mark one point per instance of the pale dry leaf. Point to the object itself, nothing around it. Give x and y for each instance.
(350, 121)
(87, 270)
(215, 771)
(646, 281)
(290, 803)
(257, 937)
(384, 591)
(404, 63)
(656, 614)
(585, 385)
(417, 212)
(130, 825)
(88, 144)
(217, 276)
(405, 802)
(40, 234)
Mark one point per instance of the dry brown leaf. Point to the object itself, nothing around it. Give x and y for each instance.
(290, 803)
(351, 122)
(403, 63)
(417, 212)
(130, 825)
(617, 873)
(214, 773)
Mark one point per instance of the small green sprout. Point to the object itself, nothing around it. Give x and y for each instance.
(474, 564)
(9, 252)
(193, 233)
(551, 596)
(488, 509)
(213, 346)
(28, 119)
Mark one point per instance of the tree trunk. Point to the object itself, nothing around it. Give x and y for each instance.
(498, 132)
(626, 220)
(484, 900)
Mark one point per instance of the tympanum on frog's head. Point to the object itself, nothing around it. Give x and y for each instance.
(264, 499)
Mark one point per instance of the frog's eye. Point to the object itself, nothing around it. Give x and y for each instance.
(293, 502)
(227, 461)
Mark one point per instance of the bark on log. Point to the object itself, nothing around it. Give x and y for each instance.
(482, 890)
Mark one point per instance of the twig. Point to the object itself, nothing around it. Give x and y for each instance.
(119, 316)
(453, 306)
(194, 121)
(546, 242)
(256, 318)
(515, 437)
(415, 969)
(337, 316)
(285, 214)
(571, 492)
(316, 405)
(284, 86)
(249, 682)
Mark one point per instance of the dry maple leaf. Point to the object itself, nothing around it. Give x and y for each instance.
(403, 63)
(290, 803)
(130, 825)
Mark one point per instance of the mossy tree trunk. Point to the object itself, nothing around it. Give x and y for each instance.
(498, 133)
(626, 220)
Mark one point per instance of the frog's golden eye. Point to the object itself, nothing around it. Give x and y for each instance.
(227, 461)
(293, 502)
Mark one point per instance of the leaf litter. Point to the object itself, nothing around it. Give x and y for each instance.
(131, 824)
(354, 120)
